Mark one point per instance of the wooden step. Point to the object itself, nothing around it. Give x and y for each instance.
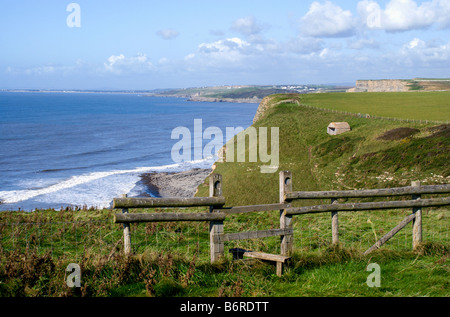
(266, 256)
(279, 259)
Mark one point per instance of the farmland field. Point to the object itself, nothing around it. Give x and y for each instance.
(419, 105)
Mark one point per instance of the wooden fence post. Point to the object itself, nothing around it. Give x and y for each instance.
(417, 222)
(215, 227)
(126, 232)
(287, 241)
(334, 224)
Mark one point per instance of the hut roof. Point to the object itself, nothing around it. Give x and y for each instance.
(339, 125)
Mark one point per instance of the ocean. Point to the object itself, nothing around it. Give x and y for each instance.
(62, 150)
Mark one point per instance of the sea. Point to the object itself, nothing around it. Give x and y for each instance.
(60, 149)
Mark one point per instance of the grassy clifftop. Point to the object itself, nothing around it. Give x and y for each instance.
(374, 154)
(414, 105)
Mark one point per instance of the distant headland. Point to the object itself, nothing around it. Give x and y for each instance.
(256, 93)
(246, 93)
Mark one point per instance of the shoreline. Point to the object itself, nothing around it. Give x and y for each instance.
(174, 184)
(232, 100)
(182, 184)
(209, 99)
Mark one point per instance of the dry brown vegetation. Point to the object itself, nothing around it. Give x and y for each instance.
(398, 134)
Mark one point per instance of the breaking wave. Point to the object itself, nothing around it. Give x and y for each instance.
(94, 189)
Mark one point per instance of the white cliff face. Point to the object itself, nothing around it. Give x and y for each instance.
(388, 85)
(396, 85)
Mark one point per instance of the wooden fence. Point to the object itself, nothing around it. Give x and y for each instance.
(217, 213)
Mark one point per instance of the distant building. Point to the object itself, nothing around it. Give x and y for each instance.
(335, 128)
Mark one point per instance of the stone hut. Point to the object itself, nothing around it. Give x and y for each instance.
(335, 128)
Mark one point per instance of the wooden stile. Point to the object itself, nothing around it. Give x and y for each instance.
(217, 214)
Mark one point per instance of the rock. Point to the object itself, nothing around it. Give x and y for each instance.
(181, 184)
(233, 100)
(385, 85)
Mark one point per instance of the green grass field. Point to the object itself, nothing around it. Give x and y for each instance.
(172, 259)
(433, 106)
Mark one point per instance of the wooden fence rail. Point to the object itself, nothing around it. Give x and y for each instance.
(365, 193)
(167, 202)
(217, 213)
(166, 217)
(415, 190)
(251, 208)
(433, 202)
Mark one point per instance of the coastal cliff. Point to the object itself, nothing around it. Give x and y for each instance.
(388, 85)
(400, 85)
(273, 101)
(214, 99)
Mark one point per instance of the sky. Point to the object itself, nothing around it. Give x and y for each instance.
(144, 45)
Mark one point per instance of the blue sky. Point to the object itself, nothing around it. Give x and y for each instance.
(178, 43)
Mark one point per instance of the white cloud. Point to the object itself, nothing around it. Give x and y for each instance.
(324, 53)
(41, 70)
(231, 50)
(121, 64)
(224, 45)
(404, 15)
(168, 34)
(420, 53)
(216, 32)
(359, 44)
(327, 20)
(442, 8)
(247, 26)
(163, 61)
(303, 45)
(414, 43)
(115, 64)
(113, 59)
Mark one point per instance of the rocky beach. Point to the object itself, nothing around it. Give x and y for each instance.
(179, 184)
